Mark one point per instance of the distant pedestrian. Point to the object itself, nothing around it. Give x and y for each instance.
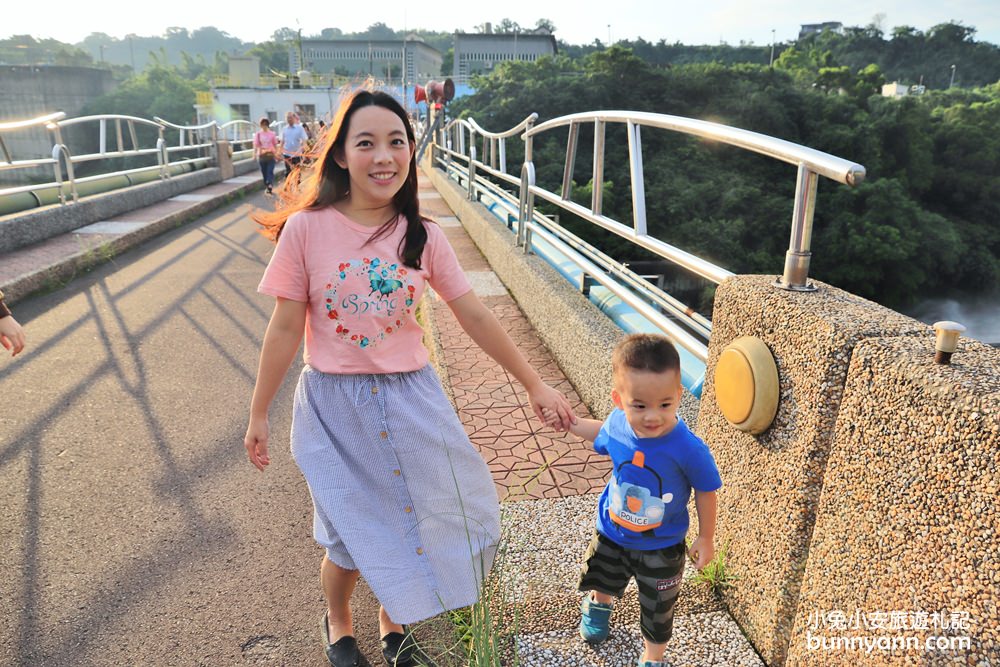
(11, 333)
(293, 142)
(265, 150)
(400, 495)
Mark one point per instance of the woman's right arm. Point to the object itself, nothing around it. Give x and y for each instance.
(281, 342)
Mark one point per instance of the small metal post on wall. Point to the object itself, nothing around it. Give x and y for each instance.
(472, 165)
(796, 275)
(526, 201)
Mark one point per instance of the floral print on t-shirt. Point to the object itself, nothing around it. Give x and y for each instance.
(370, 299)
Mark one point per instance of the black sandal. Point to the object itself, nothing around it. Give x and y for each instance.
(398, 648)
(344, 652)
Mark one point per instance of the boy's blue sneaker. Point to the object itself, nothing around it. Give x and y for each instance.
(652, 663)
(595, 620)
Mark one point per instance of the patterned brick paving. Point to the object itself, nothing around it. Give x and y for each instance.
(527, 460)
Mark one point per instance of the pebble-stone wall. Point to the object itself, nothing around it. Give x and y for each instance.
(906, 538)
(772, 482)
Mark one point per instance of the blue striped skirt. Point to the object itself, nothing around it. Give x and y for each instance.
(398, 491)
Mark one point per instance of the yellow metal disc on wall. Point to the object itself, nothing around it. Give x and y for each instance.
(746, 384)
(734, 385)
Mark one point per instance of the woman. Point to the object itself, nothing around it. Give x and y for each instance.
(265, 151)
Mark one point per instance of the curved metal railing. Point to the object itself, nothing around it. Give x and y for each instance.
(811, 164)
(239, 133)
(55, 159)
(119, 136)
(457, 150)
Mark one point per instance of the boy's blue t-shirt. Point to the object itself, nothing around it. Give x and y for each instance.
(644, 505)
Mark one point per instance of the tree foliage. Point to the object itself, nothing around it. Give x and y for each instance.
(159, 91)
(923, 223)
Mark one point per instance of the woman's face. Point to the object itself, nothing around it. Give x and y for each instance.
(265, 126)
(376, 154)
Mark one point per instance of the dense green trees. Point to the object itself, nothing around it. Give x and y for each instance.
(158, 91)
(27, 50)
(906, 55)
(925, 222)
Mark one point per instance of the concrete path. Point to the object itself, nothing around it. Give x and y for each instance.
(134, 530)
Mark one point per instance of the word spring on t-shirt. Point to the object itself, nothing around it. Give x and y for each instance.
(355, 304)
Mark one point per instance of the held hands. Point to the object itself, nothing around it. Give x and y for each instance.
(702, 551)
(256, 442)
(551, 407)
(554, 420)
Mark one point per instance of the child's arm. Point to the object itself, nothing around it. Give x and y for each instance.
(281, 341)
(582, 428)
(703, 548)
(477, 321)
(586, 428)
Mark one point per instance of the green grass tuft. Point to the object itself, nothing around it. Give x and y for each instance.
(715, 575)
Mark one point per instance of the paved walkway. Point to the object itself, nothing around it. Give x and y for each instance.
(140, 534)
(52, 263)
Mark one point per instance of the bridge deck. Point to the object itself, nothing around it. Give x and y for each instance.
(137, 529)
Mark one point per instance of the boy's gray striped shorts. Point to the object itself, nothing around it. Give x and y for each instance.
(607, 568)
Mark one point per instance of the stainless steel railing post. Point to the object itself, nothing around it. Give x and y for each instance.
(796, 273)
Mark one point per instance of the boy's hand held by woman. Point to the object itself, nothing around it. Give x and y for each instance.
(551, 407)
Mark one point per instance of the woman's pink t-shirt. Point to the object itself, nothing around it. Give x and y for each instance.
(361, 298)
(265, 139)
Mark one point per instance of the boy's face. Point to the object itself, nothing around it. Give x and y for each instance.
(649, 400)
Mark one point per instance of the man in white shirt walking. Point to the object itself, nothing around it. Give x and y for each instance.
(293, 141)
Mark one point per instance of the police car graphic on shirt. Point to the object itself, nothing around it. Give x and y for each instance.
(632, 505)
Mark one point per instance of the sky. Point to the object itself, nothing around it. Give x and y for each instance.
(707, 22)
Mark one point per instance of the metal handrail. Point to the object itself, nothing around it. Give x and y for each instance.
(517, 129)
(240, 130)
(631, 288)
(6, 160)
(203, 126)
(108, 116)
(686, 327)
(32, 122)
(835, 168)
(118, 138)
(810, 162)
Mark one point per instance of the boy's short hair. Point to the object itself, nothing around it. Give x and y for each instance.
(645, 352)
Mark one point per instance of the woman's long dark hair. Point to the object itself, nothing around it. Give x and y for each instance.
(325, 182)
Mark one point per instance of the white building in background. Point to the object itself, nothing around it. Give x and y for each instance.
(895, 89)
(813, 28)
(479, 53)
(358, 59)
(246, 94)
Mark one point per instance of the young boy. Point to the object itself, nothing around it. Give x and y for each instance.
(642, 516)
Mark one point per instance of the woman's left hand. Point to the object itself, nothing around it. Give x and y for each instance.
(544, 401)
